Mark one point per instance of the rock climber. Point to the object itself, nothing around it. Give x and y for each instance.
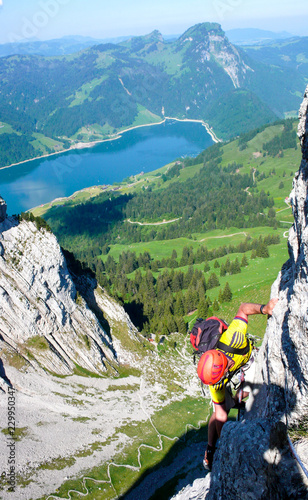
(217, 366)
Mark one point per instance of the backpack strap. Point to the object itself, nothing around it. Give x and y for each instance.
(234, 350)
(197, 342)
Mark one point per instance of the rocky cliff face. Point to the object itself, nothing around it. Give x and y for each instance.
(72, 365)
(207, 43)
(253, 460)
(45, 321)
(2, 209)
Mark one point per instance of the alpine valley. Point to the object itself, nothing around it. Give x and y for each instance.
(99, 396)
(49, 104)
(94, 347)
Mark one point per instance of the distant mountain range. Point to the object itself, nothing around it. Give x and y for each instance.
(291, 53)
(253, 36)
(55, 47)
(49, 104)
(61, 46)
(70, 44)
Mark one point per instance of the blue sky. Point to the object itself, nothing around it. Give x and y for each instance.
(45, 19)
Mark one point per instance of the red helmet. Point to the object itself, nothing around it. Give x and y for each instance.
(211, 366)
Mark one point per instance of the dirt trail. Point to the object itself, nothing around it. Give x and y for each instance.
(223, 236)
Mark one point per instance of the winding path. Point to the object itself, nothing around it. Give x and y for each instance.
(223, 236)
(153, 223)
(159, 448)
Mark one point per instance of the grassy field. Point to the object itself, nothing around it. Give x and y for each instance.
(7, 129)
(212, 239)
(254, 282)
(83, 93)
(145, 117)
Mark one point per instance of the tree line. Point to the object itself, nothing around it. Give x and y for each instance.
(212, 199)
(129, 261)
(158, 295)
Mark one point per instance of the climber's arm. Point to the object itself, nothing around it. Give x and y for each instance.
(248, 308)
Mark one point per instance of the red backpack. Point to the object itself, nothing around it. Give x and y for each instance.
(205, 333)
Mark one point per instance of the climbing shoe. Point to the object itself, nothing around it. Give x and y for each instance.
(208, 458)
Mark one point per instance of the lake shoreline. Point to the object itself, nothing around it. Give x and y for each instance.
(86, 145)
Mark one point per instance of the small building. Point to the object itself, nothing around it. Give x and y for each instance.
(3, 208)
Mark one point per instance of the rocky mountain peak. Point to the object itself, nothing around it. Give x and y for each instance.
(202, 30)
(145, 43)
(207, 43)
(156, 36)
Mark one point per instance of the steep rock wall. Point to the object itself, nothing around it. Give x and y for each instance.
(253, 460)
(44, 321)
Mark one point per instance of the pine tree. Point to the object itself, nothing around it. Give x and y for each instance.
(206, 267)
(171, 324)
(179, 305)
(180, 324)
(150, 284)
(168, 304)
(201, 289)
(227, 265)
(188, 276)
(202, 308)
(244, 262)
(185, 256)
(262, 250)
(154, 266)
(235, 267)
(227, 294)
(215, 305)
(189, 301)
(177, 282)
(223, 271)
(212, 282)
(148, 306)
(253, 254)
(174, 255)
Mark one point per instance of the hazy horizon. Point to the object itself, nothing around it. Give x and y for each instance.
(52, 19)
(165, 35)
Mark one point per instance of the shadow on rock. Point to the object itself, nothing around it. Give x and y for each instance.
(254, 460)
(3, 375)
(181, 465)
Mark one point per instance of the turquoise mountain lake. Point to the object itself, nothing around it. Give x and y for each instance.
(142, 149)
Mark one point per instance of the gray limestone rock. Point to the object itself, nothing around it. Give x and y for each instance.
(45, 323)
(254, 460)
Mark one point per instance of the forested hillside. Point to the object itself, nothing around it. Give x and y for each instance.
(144, 240)
(291, 53)
(214, 198)
(51, 104)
